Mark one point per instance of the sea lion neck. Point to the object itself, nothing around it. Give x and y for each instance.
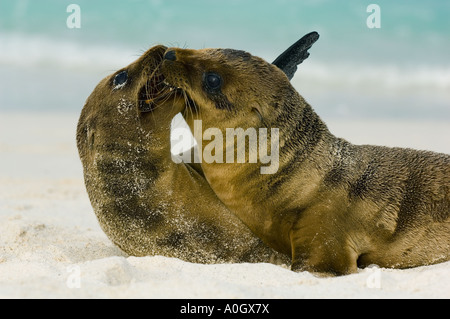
(301, 128)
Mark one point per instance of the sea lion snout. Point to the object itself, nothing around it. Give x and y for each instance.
(170, 55)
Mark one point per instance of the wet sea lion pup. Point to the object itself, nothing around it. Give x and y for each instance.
(144, 202)
(331, 205)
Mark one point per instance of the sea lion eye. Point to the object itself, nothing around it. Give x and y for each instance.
(212, 81)
(120, 79)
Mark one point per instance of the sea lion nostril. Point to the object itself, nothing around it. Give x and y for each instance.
(170, 55)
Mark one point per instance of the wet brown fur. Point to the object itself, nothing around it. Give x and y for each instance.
(146, 203)
(332, 206)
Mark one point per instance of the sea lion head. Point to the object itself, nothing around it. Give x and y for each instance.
(129, 104)
(224, 83)
(123, 139)
(228, 84)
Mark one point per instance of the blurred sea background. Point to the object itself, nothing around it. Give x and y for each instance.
(399, 71)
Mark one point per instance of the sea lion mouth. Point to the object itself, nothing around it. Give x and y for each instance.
(189, 102)
(155, 91)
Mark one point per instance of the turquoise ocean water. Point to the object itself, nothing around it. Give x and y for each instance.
(401, 70)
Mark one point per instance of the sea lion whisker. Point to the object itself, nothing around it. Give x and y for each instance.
(161, 97)
(173, 102)
(190, 104)
(186, 110)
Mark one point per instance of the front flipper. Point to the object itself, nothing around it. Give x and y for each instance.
(321, 253)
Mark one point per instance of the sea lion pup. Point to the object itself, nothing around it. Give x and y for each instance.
(331, 205)
(145, 203)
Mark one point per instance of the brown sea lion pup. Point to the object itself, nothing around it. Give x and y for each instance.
(145, 203)
(331, 205)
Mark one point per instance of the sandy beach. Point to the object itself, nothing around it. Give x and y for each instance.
(51, 245)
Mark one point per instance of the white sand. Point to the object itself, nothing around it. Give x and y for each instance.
(52, 246)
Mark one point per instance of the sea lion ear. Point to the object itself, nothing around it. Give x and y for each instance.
(295, 54)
